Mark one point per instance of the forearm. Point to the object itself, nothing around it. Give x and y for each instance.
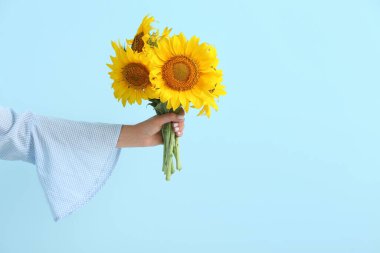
(126, 138)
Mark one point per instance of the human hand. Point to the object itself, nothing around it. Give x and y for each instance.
(148, 132)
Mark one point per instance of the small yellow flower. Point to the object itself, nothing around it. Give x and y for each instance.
(154, 38)
(144, 39)
(165, 33)
(216, 92)
(142, 35)
(219, 90)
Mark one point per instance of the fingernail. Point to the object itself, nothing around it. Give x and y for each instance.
(175, 124)
(176, 129)
(179, 133)
(180, 116)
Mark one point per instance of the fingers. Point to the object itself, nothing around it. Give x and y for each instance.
(178, 121)
(169, 117)
(178, 127)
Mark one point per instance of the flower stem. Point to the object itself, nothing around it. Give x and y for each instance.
(168, 147)
(176, 154)
(171, 142)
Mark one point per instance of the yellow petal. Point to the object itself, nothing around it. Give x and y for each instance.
(175, 101)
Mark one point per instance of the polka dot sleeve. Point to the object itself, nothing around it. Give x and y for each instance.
(73, 159)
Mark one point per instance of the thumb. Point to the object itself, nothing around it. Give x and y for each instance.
(169, 117)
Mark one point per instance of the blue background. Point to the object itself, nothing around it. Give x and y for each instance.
(290, 163)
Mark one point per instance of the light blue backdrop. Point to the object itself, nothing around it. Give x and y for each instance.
(290, 163)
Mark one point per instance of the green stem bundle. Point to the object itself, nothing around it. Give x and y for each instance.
(171, 142)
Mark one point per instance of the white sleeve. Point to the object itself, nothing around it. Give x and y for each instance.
(15, 135)
(73, 159)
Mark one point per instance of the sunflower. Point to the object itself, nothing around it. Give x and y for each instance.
(130, 73)
(216, 92)
(184, 72)
(142, 35)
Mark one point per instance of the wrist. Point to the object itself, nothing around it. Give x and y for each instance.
(124, 137)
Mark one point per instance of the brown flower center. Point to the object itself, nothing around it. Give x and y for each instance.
(138, 43)
(180, 73)
(137, 75)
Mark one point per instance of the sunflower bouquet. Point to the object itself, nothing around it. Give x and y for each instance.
(172, 73)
